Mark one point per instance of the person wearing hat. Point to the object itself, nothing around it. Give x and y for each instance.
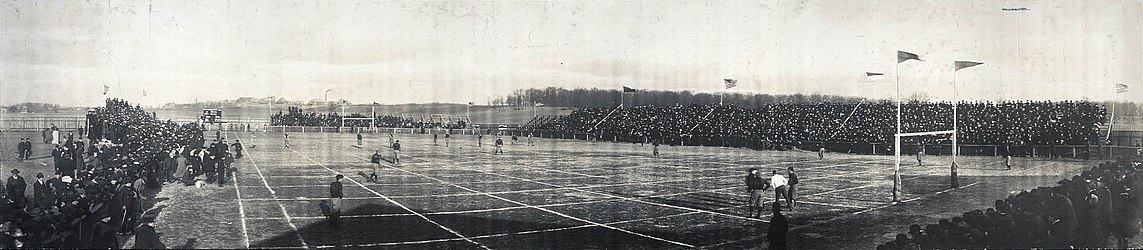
(335, 196)
(103, 234)
(16, 186)
(41, 190)
(756, 186)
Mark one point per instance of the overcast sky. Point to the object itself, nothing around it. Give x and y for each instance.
(460, 51)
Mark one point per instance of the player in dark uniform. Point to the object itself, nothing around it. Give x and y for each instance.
(655, 147)
(480, 140)
(397, 152)
(376, 163)
(756, 186)
(287, 138)
(793, 187)
(335, 196)
(434, 139)
(358, 138)
(237, 148)
(499, 143)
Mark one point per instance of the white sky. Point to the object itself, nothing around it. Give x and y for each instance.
(460, 51)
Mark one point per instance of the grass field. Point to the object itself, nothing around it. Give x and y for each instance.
(566, 194)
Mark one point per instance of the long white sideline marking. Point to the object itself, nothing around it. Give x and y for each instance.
(241, 208)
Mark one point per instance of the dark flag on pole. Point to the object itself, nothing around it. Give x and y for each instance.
(105, 88)
(730, 83)
(905, 56)
(1120, 88)
(628, 90)
(965, 64)
(872, 74)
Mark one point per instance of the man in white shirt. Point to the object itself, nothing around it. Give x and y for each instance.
(779, 183)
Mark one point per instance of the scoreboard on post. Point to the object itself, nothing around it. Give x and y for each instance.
(211, 115)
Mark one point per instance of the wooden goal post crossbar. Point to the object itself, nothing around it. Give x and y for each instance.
(926, 133)
(372, 122)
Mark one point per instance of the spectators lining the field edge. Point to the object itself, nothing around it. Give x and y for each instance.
(297, 117)
(779, 126)
(1099, 208)
(85, 207)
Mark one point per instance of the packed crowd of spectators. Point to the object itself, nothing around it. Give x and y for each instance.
(981, 123)
(296, 117)
(94, 193)
(1100, 208)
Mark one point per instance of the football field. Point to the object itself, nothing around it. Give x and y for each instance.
(578, 194)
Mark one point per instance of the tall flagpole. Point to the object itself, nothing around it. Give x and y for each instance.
(897, 139)
(955, 149)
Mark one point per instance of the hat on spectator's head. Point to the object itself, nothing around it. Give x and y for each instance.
(752, 170)
(66, 179)
(15, 171)
(339, 177)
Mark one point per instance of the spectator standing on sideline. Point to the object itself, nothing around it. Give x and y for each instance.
(780, 188)
(16, 186)
(756, 186)
(793, 187)
(335, 196)
(779, 227)
(41, 191)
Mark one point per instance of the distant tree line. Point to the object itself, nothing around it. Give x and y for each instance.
(594, 97)
(32, 107)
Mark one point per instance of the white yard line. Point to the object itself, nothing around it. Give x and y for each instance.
(289, 220)
(450, 230)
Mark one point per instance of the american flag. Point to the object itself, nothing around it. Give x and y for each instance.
(1120, 88)
(730, 83)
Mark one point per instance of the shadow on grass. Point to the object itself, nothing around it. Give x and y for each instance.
(410, 231)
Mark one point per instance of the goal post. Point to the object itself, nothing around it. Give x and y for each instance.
(897, 155)
(369, 120)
